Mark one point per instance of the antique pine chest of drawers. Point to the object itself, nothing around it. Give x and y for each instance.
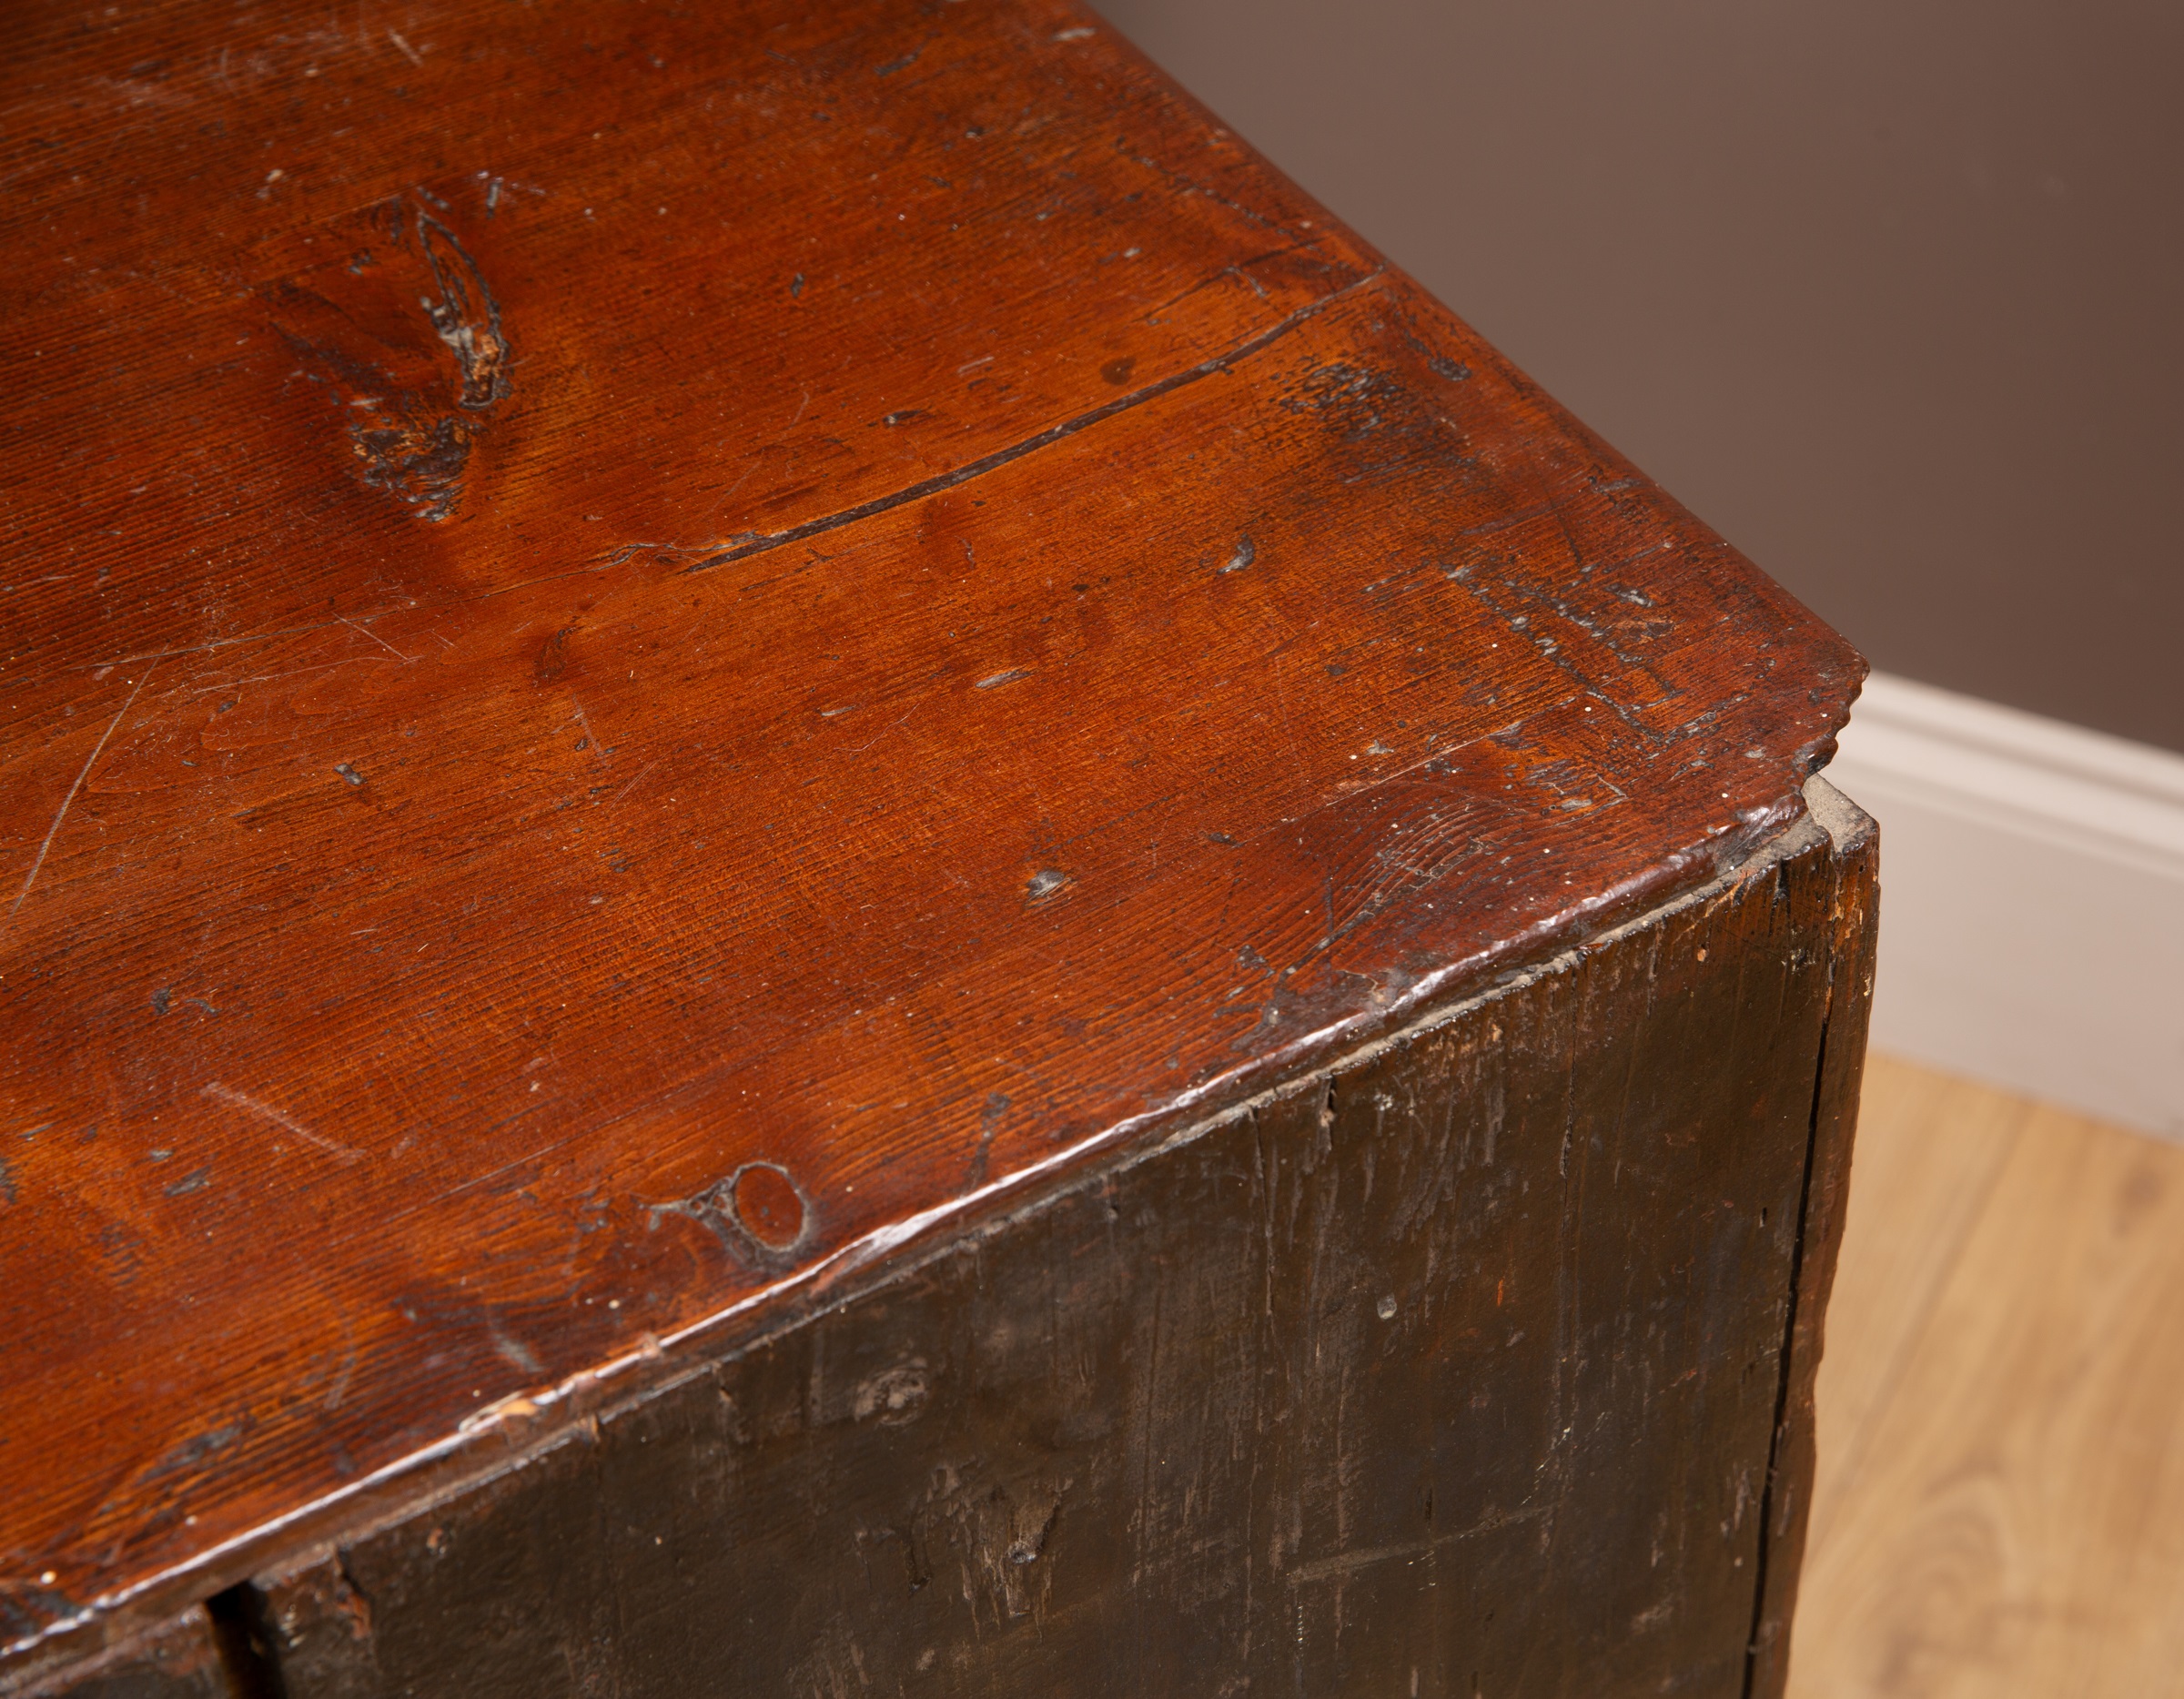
(824, 869)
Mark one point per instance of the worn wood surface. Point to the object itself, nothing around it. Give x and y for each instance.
(2001, 1487)
(1458, 1367)
(648, 653)
(1453, 1371)
(181, 1658)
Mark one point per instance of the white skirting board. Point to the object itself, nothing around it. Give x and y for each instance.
(2032, 899)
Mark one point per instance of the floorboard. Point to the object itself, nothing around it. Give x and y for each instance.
(2000, 1503)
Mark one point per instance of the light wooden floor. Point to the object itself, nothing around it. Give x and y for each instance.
(2000, 1507)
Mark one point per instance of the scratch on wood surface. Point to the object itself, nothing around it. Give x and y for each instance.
(375, 637)
(346, 1372)
(632, 783)
(207, 648)
(98, 749)
(1348, 1562)
(244, 1100)
(600, 752)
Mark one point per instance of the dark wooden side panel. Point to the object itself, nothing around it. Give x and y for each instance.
(179, 1659)
(1858, 845)
(1455, 1371)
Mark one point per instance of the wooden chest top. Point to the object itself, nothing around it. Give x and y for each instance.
(651, 655)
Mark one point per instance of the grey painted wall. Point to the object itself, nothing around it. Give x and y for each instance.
(1891, 291)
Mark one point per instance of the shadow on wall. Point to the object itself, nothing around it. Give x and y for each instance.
(1886, 292)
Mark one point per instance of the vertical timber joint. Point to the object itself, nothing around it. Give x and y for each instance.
(1787, 1367)
(1782, 1382)
(1785, 1508)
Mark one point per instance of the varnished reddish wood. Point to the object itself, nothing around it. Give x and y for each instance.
(597, 596)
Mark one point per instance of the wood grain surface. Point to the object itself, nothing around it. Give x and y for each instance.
(648, 653)
(2001, 1482)
(1452, 1370)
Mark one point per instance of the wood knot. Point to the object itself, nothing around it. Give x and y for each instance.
(767, 1206)
(759, 1213)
